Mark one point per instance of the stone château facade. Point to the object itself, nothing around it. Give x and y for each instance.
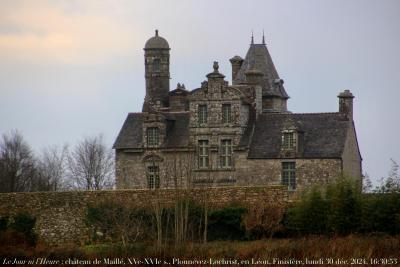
(239, 134)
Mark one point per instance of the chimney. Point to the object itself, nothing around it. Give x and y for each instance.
(236, 63)
(253, 76)
(346, 103)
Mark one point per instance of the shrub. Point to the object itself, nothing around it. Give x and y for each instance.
(3, 223)
(227, 224)
(263, 220)
(380, 213)
(188, 218)
(18, 230)
(343, 210)
(309, 215)
(24, 223)
(344, 207)
(112, 221)
(335, 209)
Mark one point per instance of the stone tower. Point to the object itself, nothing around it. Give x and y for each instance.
(156, 60)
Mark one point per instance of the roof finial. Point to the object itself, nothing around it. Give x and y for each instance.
(156, 32)
(252, 37)
(263, 40)
(215, 66)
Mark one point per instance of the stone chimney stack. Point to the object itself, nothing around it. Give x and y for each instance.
(236, 63)
(346, 103)
(253, 76)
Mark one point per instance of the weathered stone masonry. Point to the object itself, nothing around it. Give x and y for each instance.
(61, 215)
(237, 134)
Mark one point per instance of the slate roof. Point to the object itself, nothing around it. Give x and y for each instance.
(177, 129)
(131, 134)
(324, 134)
(258, 58)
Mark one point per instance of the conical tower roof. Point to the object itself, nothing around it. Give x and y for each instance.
(258, 58)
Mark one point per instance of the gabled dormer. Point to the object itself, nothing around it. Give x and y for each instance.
(154, 130)
(291, 139)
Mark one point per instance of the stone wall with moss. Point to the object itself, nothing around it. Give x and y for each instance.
(60, 216)
(309, 172)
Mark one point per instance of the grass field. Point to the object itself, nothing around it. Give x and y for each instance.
(350, 250)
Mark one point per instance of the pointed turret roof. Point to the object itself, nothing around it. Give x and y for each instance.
(258, 58)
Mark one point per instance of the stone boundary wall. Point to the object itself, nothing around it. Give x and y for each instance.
(60, 216)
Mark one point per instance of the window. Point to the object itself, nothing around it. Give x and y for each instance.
(152, 136)
(156, 64)
(226, 154)
(203, 153)
(289, 174)
(153, 176)
(226, 113)
(202, 113)
(288, 141)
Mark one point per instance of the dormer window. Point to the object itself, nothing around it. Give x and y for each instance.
(288, 140)
(226, 113)
(202, 114)
(152, 136)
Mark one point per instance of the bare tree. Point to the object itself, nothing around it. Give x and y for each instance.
(51, 168)
(391, 183)
(17, 163)
(366, 183)
(91, 165)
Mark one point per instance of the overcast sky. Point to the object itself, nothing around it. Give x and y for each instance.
(70, 69)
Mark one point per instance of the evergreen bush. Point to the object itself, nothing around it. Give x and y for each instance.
(227, 224)
(24, 223)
